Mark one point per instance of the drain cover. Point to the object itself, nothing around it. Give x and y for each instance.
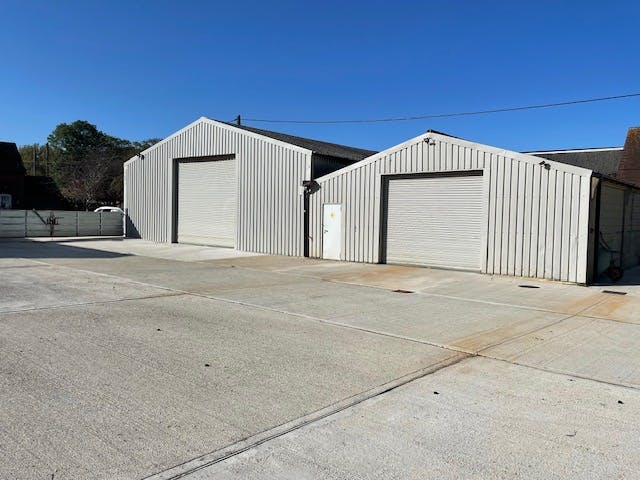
(614, 292)
(528, 286)
(403, 291)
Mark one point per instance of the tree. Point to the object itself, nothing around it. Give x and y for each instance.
(116, 186)
(86, 163)
(45, 157)
(86, 186)
(81, 147)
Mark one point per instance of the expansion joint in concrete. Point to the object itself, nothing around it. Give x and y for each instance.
(185, 469)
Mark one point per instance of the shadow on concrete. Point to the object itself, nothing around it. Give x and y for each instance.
(631, 278)
(85, 240)
(27, 248)
(130, 229)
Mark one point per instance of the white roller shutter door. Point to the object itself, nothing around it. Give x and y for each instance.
(435, 221)
(207, 196)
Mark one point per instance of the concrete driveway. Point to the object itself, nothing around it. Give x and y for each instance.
(125, 359)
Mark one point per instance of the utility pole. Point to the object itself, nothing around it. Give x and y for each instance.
(238, 120)
(35, 158)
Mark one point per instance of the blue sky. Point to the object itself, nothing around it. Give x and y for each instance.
(145, 69)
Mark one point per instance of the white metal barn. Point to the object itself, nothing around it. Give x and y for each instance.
(440, 201)
(215, 183)
(435, 200)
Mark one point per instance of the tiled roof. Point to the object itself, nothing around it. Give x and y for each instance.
(601, 160)
(316, 146)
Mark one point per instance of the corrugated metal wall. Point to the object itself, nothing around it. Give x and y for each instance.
(270, 204)
(537, 220)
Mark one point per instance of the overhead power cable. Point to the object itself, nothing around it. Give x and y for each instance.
(449, 115)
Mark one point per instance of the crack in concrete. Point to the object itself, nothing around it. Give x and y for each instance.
(81, 304)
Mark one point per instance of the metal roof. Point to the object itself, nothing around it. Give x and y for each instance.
(600, 160)
(316, 146)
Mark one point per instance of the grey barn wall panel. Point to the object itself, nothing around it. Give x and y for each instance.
(536, 218)
(270, 209)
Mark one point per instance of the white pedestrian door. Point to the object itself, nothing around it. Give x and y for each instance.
(331, 231)
(435, 221)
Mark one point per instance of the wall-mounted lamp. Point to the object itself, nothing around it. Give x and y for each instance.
(544, 164)
(140, 156)
(310, 186)
(430, 141)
